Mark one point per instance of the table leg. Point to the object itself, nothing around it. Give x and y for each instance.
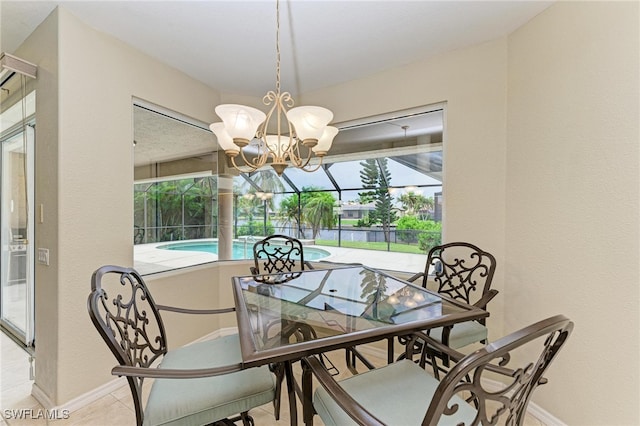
(291, 392)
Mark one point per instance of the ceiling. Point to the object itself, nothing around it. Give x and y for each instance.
(231, 46)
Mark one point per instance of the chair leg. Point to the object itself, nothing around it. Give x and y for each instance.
(278, 370)
(247, 420)
(349, 359)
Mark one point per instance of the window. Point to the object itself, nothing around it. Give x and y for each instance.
(379, 189)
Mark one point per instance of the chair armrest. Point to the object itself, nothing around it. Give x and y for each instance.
(254, 270)
(415, 277)
(195, 311)
(308, 264)
(484, 300)
(168, 373)
(458, 356)
(356, 411)
(438, 346)
(339, 263)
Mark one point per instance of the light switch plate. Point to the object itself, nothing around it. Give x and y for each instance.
(43, 256)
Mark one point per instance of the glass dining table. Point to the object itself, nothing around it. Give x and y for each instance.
(287, 316)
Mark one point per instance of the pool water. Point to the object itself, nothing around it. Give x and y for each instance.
(241, 250)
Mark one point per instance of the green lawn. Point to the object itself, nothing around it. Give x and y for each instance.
(349, 222)
(396, 247)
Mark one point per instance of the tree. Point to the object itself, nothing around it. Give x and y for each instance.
(318, 212)
(290, 207)
(375, 176)
(256, 228)
(172, 208)
(268, 182)
(249, 206)
(290, 213)
(384, 201)
(369, 177)
(417, 204)
(258, 198)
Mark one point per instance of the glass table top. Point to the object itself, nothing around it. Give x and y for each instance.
(286, 309)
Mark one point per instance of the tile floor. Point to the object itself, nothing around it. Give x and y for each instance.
(114, 409)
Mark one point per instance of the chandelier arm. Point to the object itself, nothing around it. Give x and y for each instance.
(237, 167)
(297, 159)
(259, 161)
(304, 169)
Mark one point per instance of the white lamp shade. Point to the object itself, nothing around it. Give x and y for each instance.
(224, 140)
(277, 144)
(325, 141)
(240, 122)
(309, 121)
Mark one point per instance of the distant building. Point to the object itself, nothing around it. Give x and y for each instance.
(357, 211)
(437, 208)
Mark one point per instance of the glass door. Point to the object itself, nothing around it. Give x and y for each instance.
(17, 131)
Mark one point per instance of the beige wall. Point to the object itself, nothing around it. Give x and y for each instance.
(572, 201)
(472, 82)
(85, 175)
(569, 81)
(541, 152)
(41, 48)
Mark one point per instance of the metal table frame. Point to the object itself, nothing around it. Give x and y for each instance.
(253, 356)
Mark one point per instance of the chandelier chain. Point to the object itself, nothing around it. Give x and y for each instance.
(290, 128)
(278, 47)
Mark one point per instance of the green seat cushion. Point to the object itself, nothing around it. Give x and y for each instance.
(462, 334)
(397, 394)
(204, 400)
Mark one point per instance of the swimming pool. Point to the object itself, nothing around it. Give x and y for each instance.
(241, 250)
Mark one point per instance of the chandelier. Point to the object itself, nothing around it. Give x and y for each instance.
(283, 137)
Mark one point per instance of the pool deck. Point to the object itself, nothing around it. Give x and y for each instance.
(149, 259)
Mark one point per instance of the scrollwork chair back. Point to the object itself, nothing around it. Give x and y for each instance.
(128, 320)
(523, 357)
(461, 271)
(277, 255)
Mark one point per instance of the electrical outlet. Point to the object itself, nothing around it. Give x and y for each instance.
(43, 256)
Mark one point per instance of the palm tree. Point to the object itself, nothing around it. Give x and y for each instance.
(289, 212)
(318, 212)
(268, 182)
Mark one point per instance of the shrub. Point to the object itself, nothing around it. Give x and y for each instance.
(427, 233)
(255, 228)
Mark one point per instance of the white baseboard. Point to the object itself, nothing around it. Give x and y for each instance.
(41, 397)
(80, 401)
(218, 333)
(105, 389)
(544, 416)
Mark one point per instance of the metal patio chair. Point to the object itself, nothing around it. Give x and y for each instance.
(489, 386)
(200, 383)
(279, 257)
(464, 272)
